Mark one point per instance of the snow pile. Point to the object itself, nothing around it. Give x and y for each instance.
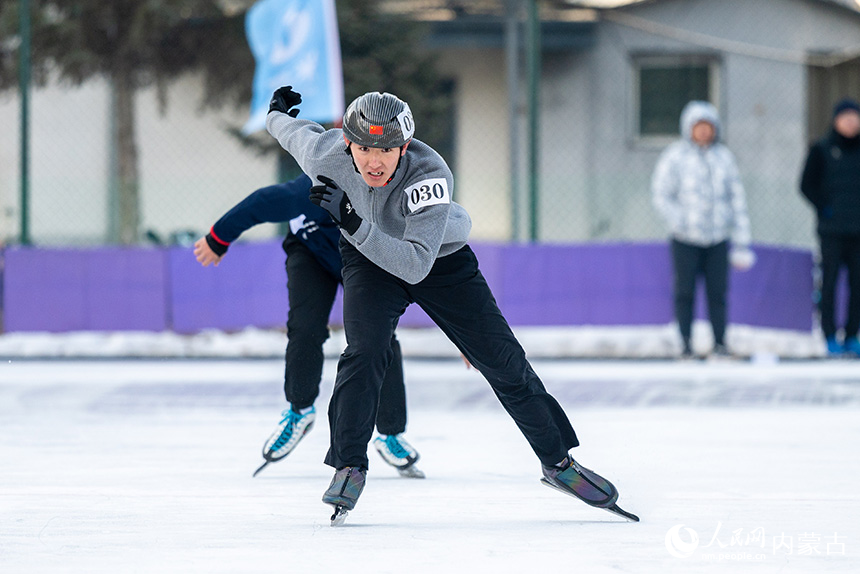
(650, 342)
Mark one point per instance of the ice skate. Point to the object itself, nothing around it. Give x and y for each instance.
(575, 480)
(835, 349)
(851, 347)
(398, 453)
(721, 353)
(292, 428)
(343, 492)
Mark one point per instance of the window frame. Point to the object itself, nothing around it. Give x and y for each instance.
(663, 60)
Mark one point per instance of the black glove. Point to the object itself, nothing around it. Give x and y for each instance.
(219, 248)
(331, 198)
(283, 99)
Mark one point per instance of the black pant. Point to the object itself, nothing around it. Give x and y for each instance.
(838, 250)
(312, 290)
(459, 301)
(712, 262)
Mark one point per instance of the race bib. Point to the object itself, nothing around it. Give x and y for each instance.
(407, 124)
(427, 192)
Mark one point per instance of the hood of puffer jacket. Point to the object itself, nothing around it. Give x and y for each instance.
(695, 112)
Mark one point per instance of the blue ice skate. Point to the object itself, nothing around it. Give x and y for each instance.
(834, 347)
(292, 429)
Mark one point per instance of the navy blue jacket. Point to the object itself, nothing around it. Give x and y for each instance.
(290, 202)
(831, 182)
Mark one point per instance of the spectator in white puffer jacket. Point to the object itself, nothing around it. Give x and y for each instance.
(697, 190)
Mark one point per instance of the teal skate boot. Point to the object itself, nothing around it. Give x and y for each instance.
(394, 450)
(292, 429)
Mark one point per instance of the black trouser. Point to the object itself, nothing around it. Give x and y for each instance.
(712, 262)
(311, 290)
(838, 250)
(459, 301)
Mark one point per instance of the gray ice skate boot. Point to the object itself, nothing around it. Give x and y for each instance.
(398, 453)
(343, 492)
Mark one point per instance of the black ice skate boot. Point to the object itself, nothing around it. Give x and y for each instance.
(343, 492)
(575, 480)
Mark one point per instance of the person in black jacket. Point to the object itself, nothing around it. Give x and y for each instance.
(831, 183)
(313, 274)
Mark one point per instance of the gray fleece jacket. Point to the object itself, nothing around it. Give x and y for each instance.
(406, 224)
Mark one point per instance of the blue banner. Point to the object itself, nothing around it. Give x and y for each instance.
(295, 43)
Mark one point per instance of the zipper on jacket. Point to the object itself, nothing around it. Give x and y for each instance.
(713, 204)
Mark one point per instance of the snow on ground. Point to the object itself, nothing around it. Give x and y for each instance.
(653, 342)
(145, 466)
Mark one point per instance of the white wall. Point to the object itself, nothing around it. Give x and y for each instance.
(482, 182)
(9, 166)
(68, 163)
(762, 99)
(594, 174)
(191, 170)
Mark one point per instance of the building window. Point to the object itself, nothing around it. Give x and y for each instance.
(664, 85)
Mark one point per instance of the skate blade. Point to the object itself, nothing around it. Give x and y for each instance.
(339, 516)
(265, 464)
(614, 509)
(617, 510)
(411, 472)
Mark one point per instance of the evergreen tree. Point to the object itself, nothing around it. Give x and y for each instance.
(382, 53)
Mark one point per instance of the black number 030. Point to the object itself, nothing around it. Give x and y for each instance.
(425, 192)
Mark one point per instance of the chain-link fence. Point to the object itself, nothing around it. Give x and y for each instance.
(191, 169)
(609, 94)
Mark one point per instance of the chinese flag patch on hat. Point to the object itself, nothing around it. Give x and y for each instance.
(376, 130)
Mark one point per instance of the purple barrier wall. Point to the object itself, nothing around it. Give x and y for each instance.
(776, 293)
(593, 284)
(617, 284)
(247, 288)
(103, 289)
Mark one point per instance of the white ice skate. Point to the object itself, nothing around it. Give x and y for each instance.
(398, 453)
(292, 429)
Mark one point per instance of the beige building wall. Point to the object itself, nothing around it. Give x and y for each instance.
(191, 169)
(68, 162)
(482, 171)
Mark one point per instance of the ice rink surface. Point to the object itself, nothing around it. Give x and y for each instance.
(145, 466)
